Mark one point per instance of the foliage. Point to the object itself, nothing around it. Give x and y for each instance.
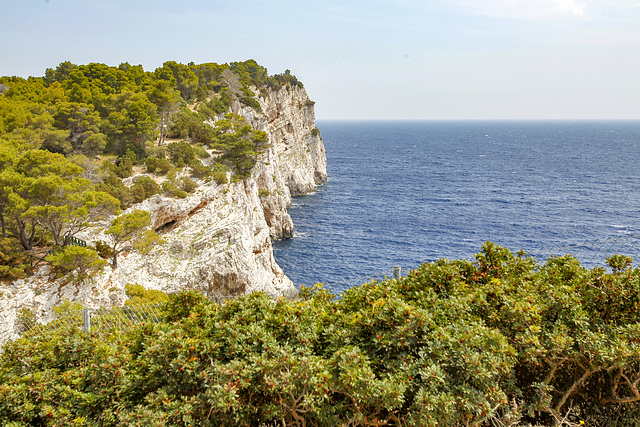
(187, 184)
(143, 188)
(220, 173)
(130, 232)
(82, 261)
(47, 190)
(94, 107)
(173, 190)
(250, 72)
(199, 170)
(201, 152)
(167, 100)
(14, 263)
(140, 295)
(123, 165)
(103, 249)
(60, 134)
(501, 341)
(239, 144)
(113, 185)
(132, 120)
(154, 164)
(180, 153)
(218, 104)
(277, 81)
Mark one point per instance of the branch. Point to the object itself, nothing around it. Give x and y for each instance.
(573, 388)
(23, 362)
(632, 385)
(554, 368)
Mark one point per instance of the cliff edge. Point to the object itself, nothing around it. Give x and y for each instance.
(217, 239)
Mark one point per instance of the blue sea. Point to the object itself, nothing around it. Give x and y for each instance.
(403, 193)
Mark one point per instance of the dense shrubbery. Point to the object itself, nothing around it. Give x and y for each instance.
(502, 341)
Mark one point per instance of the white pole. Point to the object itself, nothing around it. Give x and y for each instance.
(86, 320)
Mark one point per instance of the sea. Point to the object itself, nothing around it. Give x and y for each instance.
(401, 193)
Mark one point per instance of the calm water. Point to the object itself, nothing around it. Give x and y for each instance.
(402, 193)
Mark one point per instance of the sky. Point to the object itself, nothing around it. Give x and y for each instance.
(364, 59)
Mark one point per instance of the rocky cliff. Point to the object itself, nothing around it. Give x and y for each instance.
(218, 239)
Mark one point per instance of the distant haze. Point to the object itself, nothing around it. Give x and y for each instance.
(373, 59)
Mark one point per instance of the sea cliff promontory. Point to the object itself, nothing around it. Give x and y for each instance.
(217, 238)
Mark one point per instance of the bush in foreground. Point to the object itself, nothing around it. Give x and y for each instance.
(501, 341)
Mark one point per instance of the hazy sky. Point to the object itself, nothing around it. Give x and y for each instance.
(364, 59)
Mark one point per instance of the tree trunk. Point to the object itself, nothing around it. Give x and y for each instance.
(22, 235)
(163, 128)
(33, 233)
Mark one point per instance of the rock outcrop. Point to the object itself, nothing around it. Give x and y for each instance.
(218, 239)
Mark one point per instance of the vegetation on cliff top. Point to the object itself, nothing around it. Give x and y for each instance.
(501, 341)
(69, 138)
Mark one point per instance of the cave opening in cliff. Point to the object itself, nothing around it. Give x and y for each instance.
(166, 227)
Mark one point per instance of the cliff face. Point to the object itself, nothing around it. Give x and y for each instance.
(291, 122)
(218, 239)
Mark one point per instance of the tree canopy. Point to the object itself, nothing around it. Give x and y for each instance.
(95, 107)
(67, 140)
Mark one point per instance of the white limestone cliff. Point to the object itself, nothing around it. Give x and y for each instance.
(218, 239)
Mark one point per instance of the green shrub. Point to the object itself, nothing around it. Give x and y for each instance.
(104, 249)
(499, 341)
(140, 295)
(239, 144)
(163, 166)
(151, 163)
(219, 173)
(83, 261)
(154, 164)
(248, 98)
(172, 174)
(187, 184)
(14, 262)
(143, 188)
(124, 164)
(180, 153)
(201, 152)
(277, 81)
(156, 151)
(172, 190)
(199, 170)
(113, 185)
(218, 104)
